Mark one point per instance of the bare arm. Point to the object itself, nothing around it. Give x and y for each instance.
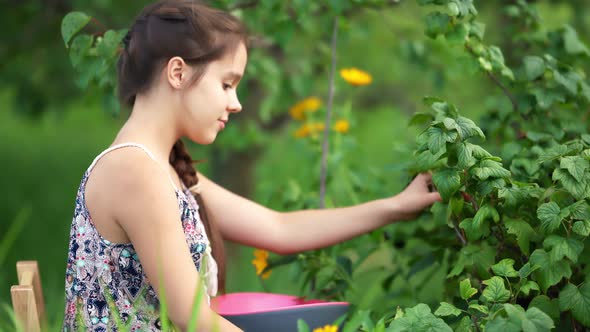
(145, 205)
(249, 223)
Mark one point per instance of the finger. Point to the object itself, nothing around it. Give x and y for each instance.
(435, 197)
(427, 176)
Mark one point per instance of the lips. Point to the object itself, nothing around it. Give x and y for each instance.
(222, 123)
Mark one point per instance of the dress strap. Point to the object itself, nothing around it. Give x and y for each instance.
(136, 145)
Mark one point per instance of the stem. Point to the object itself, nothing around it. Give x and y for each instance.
(99, 23)
(505, 90)
(325, 142)
(474, 319)
(459, 233)
(498, 83)
(473, 203)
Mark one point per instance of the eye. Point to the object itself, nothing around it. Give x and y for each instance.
(226, 86)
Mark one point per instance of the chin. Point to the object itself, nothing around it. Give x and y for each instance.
(204, 140)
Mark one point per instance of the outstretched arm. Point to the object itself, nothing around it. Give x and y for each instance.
(246, 222)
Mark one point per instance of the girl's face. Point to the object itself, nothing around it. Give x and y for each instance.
(206, 106)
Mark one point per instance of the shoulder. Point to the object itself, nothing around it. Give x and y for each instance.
(128, 179)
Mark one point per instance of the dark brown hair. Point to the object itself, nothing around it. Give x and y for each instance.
(196, 33)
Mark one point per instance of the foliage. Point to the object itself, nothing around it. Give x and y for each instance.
(516, 224)
(511, 236)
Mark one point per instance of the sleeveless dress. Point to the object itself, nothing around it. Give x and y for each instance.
(105, 283)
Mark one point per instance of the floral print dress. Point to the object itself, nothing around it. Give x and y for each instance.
(105, 284)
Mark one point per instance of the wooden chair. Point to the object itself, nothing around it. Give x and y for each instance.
(27, 297)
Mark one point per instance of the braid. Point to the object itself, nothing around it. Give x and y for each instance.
(182, 162)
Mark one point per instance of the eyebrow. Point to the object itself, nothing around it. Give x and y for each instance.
(233, 76)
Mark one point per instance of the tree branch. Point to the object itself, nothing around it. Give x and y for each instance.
(497, 82)
(505, 90)
(325, 142)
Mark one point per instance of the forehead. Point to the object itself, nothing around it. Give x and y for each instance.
(234, 61)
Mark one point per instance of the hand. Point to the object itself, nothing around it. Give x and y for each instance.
(416, 197)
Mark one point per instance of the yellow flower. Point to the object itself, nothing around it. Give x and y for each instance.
(260, 262)
(310, 104)
(327, 328)
(341, 126)
(309, 129)
(303, 131)
(356, 76)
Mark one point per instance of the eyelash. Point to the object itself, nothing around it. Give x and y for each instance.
(226, 86)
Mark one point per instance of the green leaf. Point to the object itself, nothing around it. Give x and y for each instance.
(485, 212)
(380, 326)
(466, 290)
(580, 210)
(456, 204)
(505, 268)
(576, 188)
(426, 161)
(437, 23)
(528, 286)
(293, 191)
(110, 43)
(465, 325)
(477, 29)
(526, 270)
(551, 216)
(537, 321)
(488, 186)
(547, 98)
(359, 317)
(447, 309)
(563, 247)
(467, 128)
(553, 152)
(480, 256)
(478, 152)
(533, 320)
(501, 324)
(421, 118)
(547, 305)
(457, 33)
(302, 326)
(496, 291)
(79, 49)
(576, 166)
(582, 227)
(518, 193)
(465, 155)
(572, 43)
(447, 182)
(473, 231)
(71, 24)
(479, 226)
(489, 168)
(578, 301)
(419, 318)
(548, 272)
(479, 307)
(534, 67)
(568, 80)
(437, 139)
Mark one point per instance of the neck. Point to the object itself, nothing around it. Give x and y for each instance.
(152, 125)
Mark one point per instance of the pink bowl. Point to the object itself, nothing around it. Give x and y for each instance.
(252, 303)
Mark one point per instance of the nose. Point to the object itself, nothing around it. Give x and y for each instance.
(234, 105)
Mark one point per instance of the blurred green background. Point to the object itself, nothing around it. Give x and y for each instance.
(50, 130)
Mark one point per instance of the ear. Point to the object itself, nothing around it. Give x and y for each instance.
(176, 72)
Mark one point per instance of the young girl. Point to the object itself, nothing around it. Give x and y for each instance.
(140, 227)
